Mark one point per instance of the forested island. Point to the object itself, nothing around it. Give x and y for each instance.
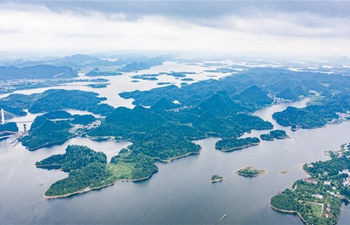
(250, 171)
(274, 134)
(89, 170)
(317, 199)
(216, 179)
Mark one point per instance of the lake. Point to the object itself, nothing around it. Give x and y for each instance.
(180, 193)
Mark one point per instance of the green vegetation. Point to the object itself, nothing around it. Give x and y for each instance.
(163, 83)
(187, 79)
(274, 134)
(150, 77)
(97, 72)
(94, 175)
(216, 178)
(288, 94)
(272, 81)
(76, 157)
(317, 199)
(89, 170)
(164, 131)
(250, 171)
(44, 132)
(58, 115)
(143, 65)
(11, 126)
(54, 100)
(83, 119)
(101, 85)
(132, 166)
(320, 113)
(233, 144)
(7, 129)
(283, 172)
(55, 128)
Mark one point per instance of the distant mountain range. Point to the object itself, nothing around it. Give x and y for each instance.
(79, 61)
(38, 71)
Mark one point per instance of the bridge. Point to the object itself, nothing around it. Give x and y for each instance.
(53, 120)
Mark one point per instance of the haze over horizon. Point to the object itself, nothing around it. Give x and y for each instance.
(264, 27)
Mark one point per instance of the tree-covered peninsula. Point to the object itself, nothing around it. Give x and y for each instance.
(89, 170)
(233, 144)
(317, 199)
(330, 109)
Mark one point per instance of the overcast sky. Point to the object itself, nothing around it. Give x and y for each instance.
(282, 27)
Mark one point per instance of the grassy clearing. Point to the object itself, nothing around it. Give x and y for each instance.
(121, 170)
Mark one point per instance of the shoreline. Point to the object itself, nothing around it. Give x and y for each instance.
(217, 180)
(287, 211)
(239, 148)
(87, 189)
(178, 157)
(49, 144)
(302, 169)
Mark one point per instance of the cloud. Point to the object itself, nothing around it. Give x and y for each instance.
(215, 26)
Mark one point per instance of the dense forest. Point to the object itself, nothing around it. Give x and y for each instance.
(268, 80)
(96, 72)
(89, 169)
(232, 144)
(11, 126)
(165, 130)
(325, 110)
(45, 132)
(54, 100)
(76, 157)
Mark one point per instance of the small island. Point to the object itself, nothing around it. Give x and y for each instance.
(101, 85)
(283, 172)
(216, 179)
(250, 171)
(163, 83)
(274, 134)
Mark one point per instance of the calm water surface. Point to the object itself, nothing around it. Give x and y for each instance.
(180, 193)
